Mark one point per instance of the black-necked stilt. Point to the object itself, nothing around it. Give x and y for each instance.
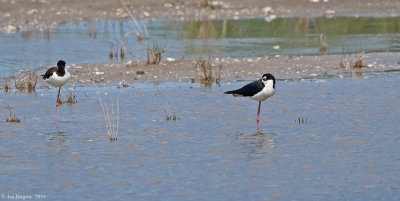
(57, 76)
(259, 90)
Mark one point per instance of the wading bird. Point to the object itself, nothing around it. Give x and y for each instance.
(259, 90)
(57, 76)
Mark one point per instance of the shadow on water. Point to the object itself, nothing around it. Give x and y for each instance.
(91, 42)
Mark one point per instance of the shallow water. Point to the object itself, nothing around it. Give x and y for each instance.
(349, 150)
(91, 42)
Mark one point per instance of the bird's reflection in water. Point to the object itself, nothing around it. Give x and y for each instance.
(56, 139)
(260, 142)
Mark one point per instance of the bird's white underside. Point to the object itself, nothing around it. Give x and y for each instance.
(267, 91)
(57, 81)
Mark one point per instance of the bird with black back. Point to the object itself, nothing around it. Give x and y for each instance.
(259, 90)
(57, 76)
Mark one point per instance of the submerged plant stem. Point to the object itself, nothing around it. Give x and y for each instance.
(111, 120)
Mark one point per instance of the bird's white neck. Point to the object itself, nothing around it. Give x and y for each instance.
(269, 84)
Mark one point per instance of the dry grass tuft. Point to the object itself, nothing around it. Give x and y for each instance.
(111, 117)
(154, 55)
(173, 117)
(323, 44)
(343, 62)
(24, 81)
(302, 120)
(356, 63)
(111, 55)
(119, 49)
(169, 114)
(12, 117)
(122, 46)
(210, 71)
(70, 97)
(5, 86)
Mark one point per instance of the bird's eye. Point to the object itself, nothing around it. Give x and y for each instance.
(264, 78)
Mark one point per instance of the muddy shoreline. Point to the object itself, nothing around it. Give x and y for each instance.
(19, 15)
(232, 69)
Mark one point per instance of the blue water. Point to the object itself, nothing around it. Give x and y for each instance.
(91, 42)
(348, 150)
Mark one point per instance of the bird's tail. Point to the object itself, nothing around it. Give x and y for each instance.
(230, 92)
(235, 93)
(43, 76)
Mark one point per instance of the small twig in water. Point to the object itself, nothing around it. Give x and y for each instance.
(111, 118)
(302, 120)
(167, 108)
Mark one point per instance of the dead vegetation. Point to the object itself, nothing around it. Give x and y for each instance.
(24, 81)
(323, 44)
(169, 114)
(154, 55)
(12, 117)
(302, 120)
(140, 34)
(119, 49)
(70, 97)
(111, 118)
(357, 62)
(210, 70)
(5, 86)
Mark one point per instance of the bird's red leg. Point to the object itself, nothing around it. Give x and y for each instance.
(258, 115)
(58, 95)
(57, 119)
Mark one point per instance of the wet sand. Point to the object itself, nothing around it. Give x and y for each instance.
(232, 68)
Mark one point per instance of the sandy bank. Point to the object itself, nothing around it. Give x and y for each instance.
(232, 68)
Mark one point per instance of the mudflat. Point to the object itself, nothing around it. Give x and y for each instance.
(23, 14)
(20, 15)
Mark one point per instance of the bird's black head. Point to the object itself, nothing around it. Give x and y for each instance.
(61, 64)
(268, 76)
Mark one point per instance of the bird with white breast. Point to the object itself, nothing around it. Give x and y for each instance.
(259, 90)
(57, 76)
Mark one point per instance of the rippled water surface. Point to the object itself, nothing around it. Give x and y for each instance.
(347, 150)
